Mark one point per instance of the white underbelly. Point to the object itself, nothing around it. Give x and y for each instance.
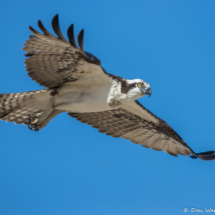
(79, 102)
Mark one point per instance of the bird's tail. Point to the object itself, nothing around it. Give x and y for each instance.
(18, 106)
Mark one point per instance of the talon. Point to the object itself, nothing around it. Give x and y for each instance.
(33, 125)
(36, 128)
(33, 128)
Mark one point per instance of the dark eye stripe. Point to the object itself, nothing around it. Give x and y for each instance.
(125, 87)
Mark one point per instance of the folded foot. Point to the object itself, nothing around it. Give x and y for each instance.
(34, 121)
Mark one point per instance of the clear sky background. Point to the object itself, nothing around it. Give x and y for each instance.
(68, 168)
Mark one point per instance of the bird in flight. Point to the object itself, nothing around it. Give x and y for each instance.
(76, 83)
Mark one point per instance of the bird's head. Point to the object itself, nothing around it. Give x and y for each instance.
(135, 88)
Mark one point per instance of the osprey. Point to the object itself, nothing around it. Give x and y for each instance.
(76, 83)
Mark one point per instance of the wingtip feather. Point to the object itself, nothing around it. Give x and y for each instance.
(32, 29)
(81, 39)
(207, 156)
(70, 34)
(43, 29)
(56, 28)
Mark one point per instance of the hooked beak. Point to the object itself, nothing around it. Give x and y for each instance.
(147, 91)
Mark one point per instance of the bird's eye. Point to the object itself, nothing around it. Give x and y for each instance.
(139, 85)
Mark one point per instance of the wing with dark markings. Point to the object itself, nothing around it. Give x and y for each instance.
(140, 126)
(53, 61)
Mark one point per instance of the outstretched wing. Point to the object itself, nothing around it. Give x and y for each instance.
(136, 123)
(55, 61)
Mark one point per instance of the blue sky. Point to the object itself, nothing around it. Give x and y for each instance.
(68, 167)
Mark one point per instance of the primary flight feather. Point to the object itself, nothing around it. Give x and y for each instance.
(76, 83)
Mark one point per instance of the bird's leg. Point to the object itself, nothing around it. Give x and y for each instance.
(36, 119)
(33, 119)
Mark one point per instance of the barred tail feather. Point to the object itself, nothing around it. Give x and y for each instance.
(17, 106)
